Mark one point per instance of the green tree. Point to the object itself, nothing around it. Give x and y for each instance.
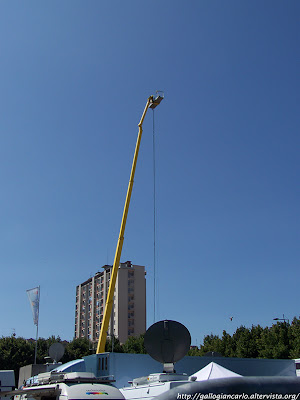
(211, 343)
(134, 345)
(15, 353)
(227, 345)
(77, 348)
(294, 338)
(247, 341)
(275, 341)
(116, 348)
(194, 351)
(255, 344)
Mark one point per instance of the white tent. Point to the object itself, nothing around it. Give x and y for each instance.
(214, 371)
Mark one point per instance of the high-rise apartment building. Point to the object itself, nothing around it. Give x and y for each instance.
(128, 316)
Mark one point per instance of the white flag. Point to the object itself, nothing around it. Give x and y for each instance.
(34, 298)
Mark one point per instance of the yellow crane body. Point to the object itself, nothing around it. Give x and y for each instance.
(152, 103)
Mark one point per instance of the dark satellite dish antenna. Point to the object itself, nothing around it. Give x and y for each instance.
(167, 342)
(56, 351)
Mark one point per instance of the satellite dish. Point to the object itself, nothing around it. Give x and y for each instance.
(56, 351)
(167, 342)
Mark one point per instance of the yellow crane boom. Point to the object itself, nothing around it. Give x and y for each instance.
(151, 103)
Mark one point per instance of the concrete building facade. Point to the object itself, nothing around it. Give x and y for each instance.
(129, 308)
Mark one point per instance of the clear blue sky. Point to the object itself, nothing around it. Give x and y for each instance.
(75, 77)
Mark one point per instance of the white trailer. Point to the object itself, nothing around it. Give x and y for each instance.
(73, 385)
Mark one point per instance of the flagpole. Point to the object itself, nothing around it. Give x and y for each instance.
(37, 325)
(36, 339)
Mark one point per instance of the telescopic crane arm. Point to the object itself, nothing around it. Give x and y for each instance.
(151, 103)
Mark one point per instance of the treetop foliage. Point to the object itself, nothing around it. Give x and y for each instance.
(281, 340)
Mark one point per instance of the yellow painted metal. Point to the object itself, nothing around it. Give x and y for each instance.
(113, 278)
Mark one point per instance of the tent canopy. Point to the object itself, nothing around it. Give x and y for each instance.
(214, 371)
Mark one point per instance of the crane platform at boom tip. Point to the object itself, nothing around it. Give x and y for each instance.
(159, 97)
